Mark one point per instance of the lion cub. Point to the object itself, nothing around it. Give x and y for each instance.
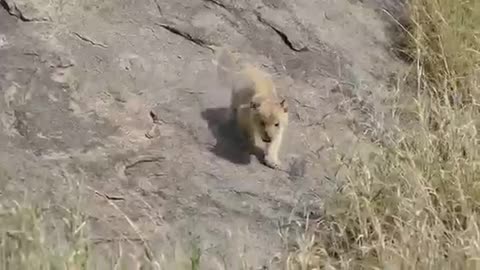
(261, 114)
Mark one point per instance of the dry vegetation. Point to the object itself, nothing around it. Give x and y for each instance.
(415, 205)
(29, 240)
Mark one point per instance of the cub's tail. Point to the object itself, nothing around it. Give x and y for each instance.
(262, 82)
(237, 74)
(227, 67)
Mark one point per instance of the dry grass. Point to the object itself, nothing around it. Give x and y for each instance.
(416, 204)
(36, 239)
(27, 239)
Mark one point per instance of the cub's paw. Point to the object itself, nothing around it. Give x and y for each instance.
(272, 163)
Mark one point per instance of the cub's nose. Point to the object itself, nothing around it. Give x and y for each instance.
(267, 140)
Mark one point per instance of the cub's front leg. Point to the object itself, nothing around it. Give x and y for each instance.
(272, 151)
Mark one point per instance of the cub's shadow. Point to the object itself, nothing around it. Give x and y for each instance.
(230, 142)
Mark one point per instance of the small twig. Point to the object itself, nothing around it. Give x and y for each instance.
(31, 53)
(303, 105)
(194, 92)
(89, 40)
(144, 160)
(108, 197)
(116, 239)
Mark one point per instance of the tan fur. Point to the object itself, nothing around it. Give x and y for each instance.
(260, 113)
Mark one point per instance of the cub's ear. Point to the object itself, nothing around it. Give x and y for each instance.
(284, 105)
(254, 104)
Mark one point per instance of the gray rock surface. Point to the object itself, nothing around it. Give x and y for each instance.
(78, 80)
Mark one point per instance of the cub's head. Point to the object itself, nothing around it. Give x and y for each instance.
(269, 117)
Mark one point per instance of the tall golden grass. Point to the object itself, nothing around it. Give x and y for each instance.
(416, 203)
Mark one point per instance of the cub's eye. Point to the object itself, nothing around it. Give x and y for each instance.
(277, 124)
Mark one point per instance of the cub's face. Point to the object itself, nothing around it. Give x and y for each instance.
(269, 118)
